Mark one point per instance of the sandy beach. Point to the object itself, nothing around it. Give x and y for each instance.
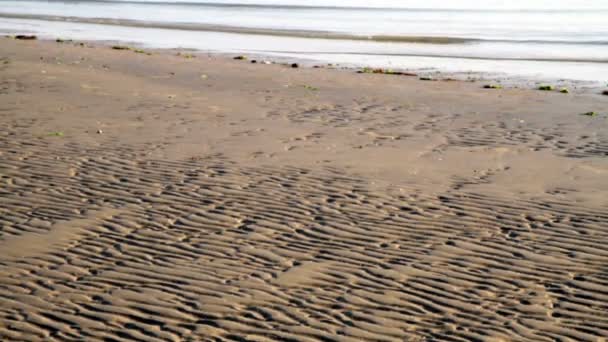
(166, 197)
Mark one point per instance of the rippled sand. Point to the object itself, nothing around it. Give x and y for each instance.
(165, 198)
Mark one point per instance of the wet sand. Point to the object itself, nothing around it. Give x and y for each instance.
(163, 198)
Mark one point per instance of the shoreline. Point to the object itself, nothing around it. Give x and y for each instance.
(175, 197)
(487, 78)
(527, 71)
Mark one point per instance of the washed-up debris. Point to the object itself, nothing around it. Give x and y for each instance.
(295, 65)
(120, 47)
(605, 92)
(426, 78)
(253, 61)
(59, 40)
(492, 86)
(564, 91)
(240, 58)
(590, 114)
(55, 134)
(546, 88)
(25, 37)
(99, 131)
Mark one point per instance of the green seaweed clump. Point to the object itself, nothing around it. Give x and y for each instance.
(186, 55)
(56, 134)
(311, 88)
(492, 86)
(120, 47)
(143, 51)
(426, 78)
(564, 91)
(368, 70)
(240, 58)
(592, 114)
(546, 88)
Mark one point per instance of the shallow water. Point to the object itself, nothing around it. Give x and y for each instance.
(534, 40)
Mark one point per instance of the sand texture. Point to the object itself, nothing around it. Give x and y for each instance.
(163, 198)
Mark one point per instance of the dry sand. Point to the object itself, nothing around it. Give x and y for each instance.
(227, 201)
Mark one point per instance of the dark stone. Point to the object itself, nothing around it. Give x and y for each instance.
(295, 65)
(25, 37)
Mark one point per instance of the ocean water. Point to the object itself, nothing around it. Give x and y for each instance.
(540, 39)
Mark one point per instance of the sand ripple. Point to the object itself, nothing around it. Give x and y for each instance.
(134, 249)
